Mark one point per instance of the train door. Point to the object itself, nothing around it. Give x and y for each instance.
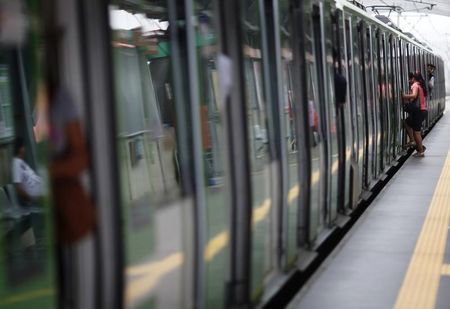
(425, 76)
(423, 72)
(322, 49)
(430, 92)
(316, 127)
(386, 102)
(359, 98)
(210, 153)
(343, 114)
(355, 171)
(330, 101)
(382, 105)
(151, 133)
(364, 36)
(291, 141)
(324, 59)
(172, 153)
(396, 94)
(347, 115)
(263, 165)
(389, 101)
(376, 100)
(372, 78)
(402, 87)
(27, 231)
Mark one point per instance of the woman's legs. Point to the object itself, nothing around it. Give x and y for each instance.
(418, 139)
(409, 131)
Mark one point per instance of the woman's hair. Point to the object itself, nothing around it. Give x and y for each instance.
(18, 144)
(418, 77)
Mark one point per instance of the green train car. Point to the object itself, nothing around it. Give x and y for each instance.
(212, 148)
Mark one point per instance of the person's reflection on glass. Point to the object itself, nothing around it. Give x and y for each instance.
(74, 210)
(27, 183)
(69, 159)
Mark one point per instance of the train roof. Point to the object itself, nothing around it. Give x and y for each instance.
(382, 22)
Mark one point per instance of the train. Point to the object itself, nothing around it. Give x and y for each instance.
(219, 157)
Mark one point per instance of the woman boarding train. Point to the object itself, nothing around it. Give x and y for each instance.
(416, 114)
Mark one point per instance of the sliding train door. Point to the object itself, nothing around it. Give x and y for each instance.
(291, 142)
(331, 106)
(171, 142)
(317, 128)
(264, 169)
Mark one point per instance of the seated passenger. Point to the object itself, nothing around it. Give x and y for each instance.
(27, 183)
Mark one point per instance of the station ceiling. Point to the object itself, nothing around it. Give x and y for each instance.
(438, 7)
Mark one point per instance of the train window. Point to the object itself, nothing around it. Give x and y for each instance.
(316, 129)
(6, 113)
(359, 97)
(376, 98)
(384, 101)
(396, 99)
(258, 118)
(290, 106)
(27, 264)
(390, 103)
(350, 75)
(339, 68)
(370, 103)
(330, 99)
(318, 53)
(212, 151)
(409, 57)
(401, 64)
(348, 48)
(154, 204)
(416, 58)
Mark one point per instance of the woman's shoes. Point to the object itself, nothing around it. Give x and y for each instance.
(419, 154)
(424, 148)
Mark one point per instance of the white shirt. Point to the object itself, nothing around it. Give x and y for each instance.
(431, 83)
(23, 174)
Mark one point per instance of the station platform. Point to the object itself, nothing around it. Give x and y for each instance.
(398, 254)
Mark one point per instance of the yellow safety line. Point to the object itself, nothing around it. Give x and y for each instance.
(421, 282)
(445, 271)
(151, 274)
(215, 245)
(26, 296)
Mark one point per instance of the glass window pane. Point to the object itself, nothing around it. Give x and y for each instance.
(316, 112)
(258, 140)
(213, 150)
(153, 205)
(27, 264)
(289, 132)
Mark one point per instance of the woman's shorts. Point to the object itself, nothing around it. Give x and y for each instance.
(415, 120)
